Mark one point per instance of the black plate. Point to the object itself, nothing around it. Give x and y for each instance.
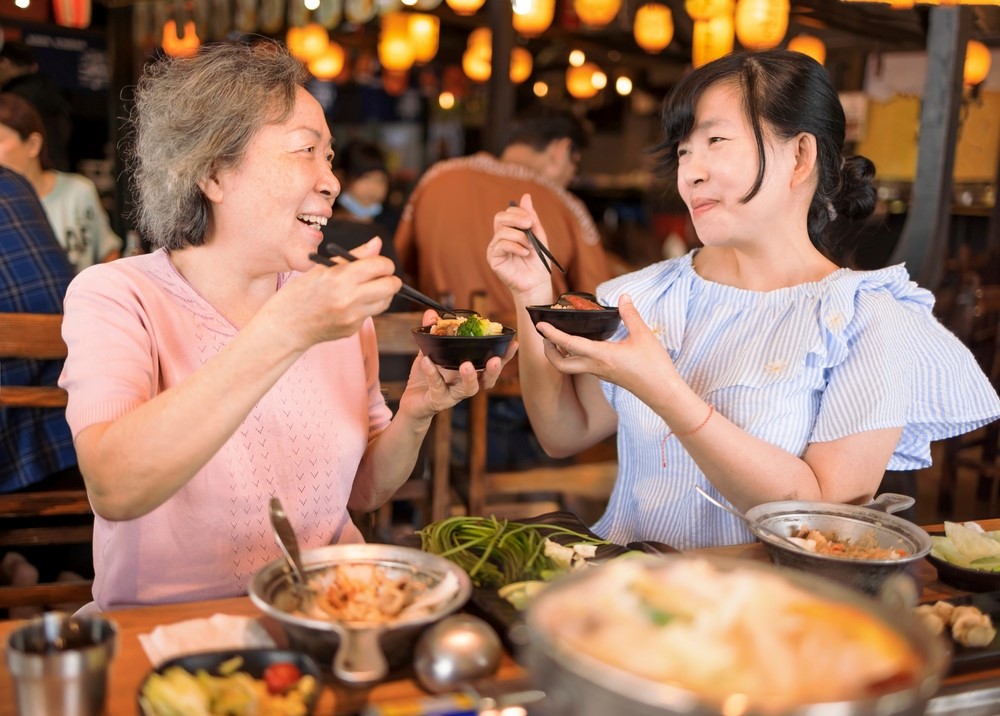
(255, 662)
(965, 658)
(593, 325)
(969, 580)
(451, 351)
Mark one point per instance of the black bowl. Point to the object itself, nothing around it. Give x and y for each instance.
(969, 580)
(594, 325)
(451, 351)
(255, 663)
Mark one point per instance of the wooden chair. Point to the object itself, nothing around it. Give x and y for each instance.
(428, 489)
(976, 321)
(38, 517)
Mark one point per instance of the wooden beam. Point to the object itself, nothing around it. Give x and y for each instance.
(500, 107)
(923, 244)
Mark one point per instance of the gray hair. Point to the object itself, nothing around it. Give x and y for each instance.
(195, 116)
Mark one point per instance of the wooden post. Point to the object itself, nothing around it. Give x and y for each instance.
(923, 245)
(501, 90)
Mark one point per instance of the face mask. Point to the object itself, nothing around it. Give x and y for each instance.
(357, 208)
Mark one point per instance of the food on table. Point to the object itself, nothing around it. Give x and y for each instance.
(968, 545)
(718, 632)
(577, 302)
(866, 547)
(967, 624)
(360, 592)
(474, 325)
(283, 691)
(497, 552)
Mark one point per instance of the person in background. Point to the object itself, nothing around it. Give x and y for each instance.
(225, 367)
(445, 226)
(361, 168)
(445, 229)
(19, 74)
(71, 201)
(754, 366)
(36, 447)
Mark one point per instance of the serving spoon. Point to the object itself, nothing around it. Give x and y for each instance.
(753, 524)
(284, 535)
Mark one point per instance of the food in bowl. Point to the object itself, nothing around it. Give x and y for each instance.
(578, 314)
(450, 351)
(865, 546)
(474, 325)
(647, 627)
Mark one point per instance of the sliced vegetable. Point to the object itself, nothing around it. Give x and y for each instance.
(282, 677)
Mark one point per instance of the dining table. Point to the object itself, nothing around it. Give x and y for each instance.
(961, 693)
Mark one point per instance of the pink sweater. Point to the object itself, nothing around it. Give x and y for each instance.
(135, 328)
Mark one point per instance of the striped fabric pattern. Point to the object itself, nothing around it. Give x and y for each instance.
(857, 351)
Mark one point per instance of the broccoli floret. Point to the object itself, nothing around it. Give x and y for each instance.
(473, 326)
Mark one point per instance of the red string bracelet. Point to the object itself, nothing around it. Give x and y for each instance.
(689, 433)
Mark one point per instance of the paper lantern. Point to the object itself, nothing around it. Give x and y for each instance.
(596, 13)
(533, 17)
(977, 63)
(711, 39)
(520, 65)
(580, 80)
(707, 9)
(176, 46)
(465, 7)
(395, 51)
(761, 24)
(540, 89)
(71, 13)
(809, 45)
(481, 36)
(476, 64)
(307, 42)
(446, 100)
(330, 63)
(424, 33)
(653, 27)
(623, 86)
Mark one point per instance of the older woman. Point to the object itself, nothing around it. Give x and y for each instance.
(224, 367)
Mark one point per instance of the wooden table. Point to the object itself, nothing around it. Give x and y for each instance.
(131, 664)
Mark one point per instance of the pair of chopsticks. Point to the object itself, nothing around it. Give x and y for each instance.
(406, 291)
(541, 248)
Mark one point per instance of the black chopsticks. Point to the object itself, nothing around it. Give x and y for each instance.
(406, 291)
(541, 248)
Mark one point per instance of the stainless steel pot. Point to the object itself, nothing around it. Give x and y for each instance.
(579, 685)
(359, 653)
(850, 522)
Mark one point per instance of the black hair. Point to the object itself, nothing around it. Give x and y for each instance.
(541, 127)
(787, 93)
(359, 157)
(19, 54)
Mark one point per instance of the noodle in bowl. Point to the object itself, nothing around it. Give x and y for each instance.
(683, 634)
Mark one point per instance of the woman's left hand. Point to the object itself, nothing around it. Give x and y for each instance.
(639, 363)
(431, 389)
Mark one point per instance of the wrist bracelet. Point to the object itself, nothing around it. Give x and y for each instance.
(689, 433)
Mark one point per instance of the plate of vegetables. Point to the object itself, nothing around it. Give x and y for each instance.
(967, 556)
(235, 683)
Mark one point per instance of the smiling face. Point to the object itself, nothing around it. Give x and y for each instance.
(277, 200)
(717, 166)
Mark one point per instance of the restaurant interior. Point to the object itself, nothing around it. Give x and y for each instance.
(920, 85)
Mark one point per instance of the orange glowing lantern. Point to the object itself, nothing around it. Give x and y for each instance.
(977, 63)
(395, 51)
(596, 13)
(711, 39)
(71, 13)
(424, 32)
(476, 64)
(307, 42)
(465, 7)
(707, 9)
(653, 27)
(176, 46)
(520, 65)
(809, 45)
(761, 24)
(330, 63)
(533, 17)
(580, 80)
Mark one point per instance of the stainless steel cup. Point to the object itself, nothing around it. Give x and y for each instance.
(59, 664)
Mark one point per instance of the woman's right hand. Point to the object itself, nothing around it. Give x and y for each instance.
(513, 258)
(331, 302)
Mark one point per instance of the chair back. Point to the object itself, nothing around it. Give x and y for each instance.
(32, 518)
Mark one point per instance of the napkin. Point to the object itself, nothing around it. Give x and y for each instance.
(218, 632)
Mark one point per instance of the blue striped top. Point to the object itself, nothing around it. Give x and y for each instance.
(856, 351)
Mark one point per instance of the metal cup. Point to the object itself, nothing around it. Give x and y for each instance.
(59, 664)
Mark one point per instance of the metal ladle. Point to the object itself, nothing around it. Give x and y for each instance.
(755, 526)
(284, 535)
